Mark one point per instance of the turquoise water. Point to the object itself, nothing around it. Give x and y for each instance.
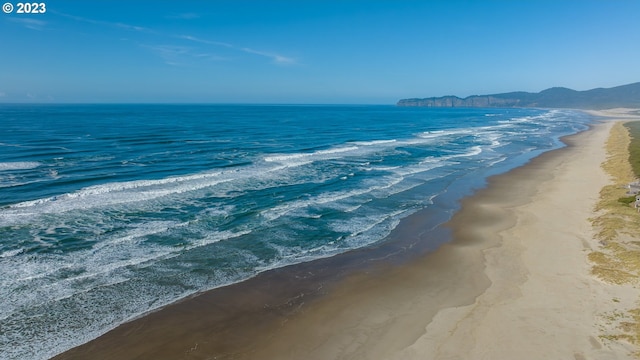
(111, 211)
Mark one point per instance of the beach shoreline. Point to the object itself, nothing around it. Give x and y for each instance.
(495, 292)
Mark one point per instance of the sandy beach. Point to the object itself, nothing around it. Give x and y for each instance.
(542, 302)
(524, 243)
(515, 283)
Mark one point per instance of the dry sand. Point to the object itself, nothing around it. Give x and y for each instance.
(515, 283)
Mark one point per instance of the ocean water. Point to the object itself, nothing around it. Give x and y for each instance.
(111, 211)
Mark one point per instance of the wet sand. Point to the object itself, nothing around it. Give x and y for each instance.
(513, 283)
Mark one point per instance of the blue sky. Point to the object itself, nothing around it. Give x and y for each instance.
(328, 52)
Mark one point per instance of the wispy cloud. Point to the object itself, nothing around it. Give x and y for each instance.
(171, 53)
(29, 23)
(3, 94)
(168, 49)
(210, 57)
(179, 55)
(276, 58)
(207, 42)
(108, 23)
(132, 27)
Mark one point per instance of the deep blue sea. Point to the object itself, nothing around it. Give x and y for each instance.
(111, 211)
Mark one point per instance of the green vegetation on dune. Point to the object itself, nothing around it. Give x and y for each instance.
(617, 226)
(634, 146)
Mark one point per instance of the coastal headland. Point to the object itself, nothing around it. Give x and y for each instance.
(624, 96)
(518, 281)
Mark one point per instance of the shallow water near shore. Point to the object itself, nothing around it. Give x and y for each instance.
(111, 211)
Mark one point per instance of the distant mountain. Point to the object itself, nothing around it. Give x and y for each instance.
(557, 97)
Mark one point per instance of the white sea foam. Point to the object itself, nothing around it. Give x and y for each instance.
(496, 161)
(474, 150)
(321, 154)
(294, 255)
(19, 165)
(10, 253)
(326, 198)
(139, 194)
(423, 166)
(384, 168)
(121, 193)
(104, 281)
(375, 142)
(142, 190)
(364, 230)
(443, 133)
(214, 237)
(381, 187)
(110, 253)
(373, 222)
